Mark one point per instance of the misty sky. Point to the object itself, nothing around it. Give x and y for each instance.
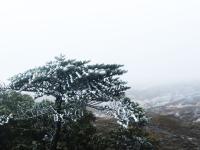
(156, 40)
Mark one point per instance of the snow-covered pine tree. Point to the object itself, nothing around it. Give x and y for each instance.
(77, 84)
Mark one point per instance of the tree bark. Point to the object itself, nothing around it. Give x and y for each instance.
(56, 136)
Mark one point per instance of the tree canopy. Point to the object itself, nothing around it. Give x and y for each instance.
(73, 83)
(71, 79)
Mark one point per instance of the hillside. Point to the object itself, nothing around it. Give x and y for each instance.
(174, 133)
(175, 114)
(170, 133)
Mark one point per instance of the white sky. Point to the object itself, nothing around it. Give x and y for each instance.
(156, 40)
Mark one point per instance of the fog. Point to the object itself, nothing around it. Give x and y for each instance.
(157, 41)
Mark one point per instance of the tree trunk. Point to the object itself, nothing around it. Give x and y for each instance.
(56, 136)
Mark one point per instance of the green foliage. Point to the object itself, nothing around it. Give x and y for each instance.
(15, 133)
(26, 134)
(133, 138)
(10, 102)
(81, 134)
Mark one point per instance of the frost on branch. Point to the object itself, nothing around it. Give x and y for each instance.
(5, 119)
(129, 113)
(70, 112)
(126, 112)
